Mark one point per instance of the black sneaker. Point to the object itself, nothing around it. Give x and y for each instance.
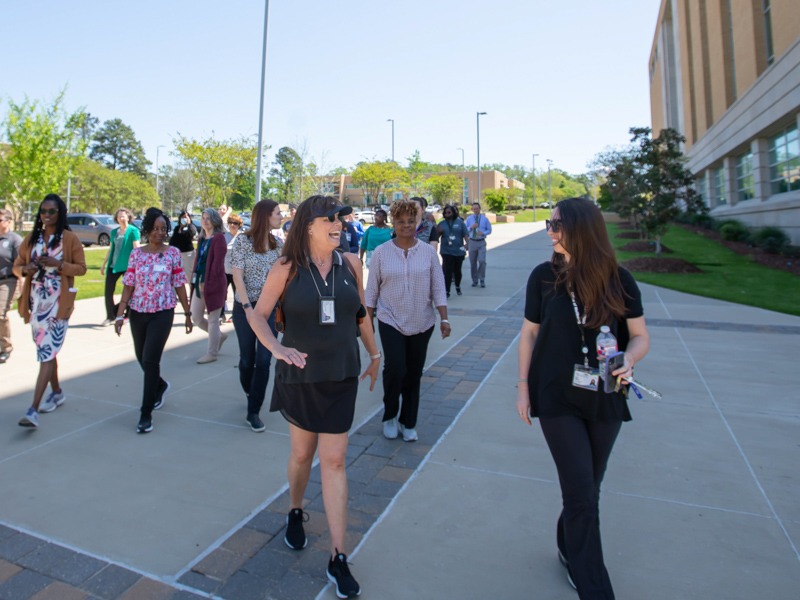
(458, 291)
(295, 536)
(163, 388)
(255, 422)
(145, 425)
(448, 294)
(339, 574)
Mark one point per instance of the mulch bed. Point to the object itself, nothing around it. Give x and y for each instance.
(643, 246)
(773, 261)
(629, 235)
(653, 264)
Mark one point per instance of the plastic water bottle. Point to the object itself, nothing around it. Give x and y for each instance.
(606, 346)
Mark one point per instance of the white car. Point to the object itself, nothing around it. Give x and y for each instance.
(365, 216)
(435, 209)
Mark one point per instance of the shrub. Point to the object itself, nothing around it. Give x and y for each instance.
(771, 239)
(514, 207)
(772, 245)
(790, 251)
(734, 231)
(684, 217)
(702, 220)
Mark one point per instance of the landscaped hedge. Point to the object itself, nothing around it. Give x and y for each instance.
(770, 239)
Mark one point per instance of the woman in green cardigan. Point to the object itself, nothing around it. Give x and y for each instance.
(123, 239)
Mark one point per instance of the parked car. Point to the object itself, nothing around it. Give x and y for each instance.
(544, 204)
(434, 208)
(92, 229)
(365, 216)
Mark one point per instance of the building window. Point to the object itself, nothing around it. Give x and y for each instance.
(653, 64)
(784, 161)
(768, 32)
(398, 195)
(700, 188)
(328, 188)
(352, 186)
(719, 187)
(745, 188)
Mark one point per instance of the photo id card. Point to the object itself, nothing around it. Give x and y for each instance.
(159, 268)
(585, 377)
(327, 310)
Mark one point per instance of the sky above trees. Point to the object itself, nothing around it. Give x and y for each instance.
(562, 80)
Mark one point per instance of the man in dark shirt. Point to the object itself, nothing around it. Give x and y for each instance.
(9, 249)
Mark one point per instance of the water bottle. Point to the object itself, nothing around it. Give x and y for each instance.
(606, 346)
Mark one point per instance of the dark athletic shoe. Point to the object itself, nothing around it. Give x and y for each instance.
(295, 536)
(163, 388)
(339, 575)
(145, 425)
(458, 291)
(256, 424)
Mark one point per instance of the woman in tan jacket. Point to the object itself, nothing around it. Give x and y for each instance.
(49, 259)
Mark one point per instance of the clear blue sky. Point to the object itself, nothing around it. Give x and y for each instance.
(562, 79)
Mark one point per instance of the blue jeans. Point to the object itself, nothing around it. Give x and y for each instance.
(254, 359)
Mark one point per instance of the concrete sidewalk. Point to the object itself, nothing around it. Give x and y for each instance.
(700, 497)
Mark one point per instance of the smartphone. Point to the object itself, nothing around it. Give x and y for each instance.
(613, 363)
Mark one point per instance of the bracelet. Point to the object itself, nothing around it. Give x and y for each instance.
(188, 313)
(521, 380)
(445, 321)
(123, 302)
(374, 356)
(120, 319)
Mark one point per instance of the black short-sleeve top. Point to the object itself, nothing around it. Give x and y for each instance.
(558, 350)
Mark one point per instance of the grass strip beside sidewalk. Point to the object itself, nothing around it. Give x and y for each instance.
(727, 275)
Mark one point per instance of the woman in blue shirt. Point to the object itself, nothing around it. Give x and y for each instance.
(453, 239)
(123, 239)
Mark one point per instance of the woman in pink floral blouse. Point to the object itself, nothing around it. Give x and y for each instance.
(155, 273)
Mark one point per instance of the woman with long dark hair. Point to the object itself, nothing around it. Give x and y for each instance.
(154, 276)
(568, 300)
(253, 255)
(454, 238)
(316, 378)
(209, 284)
(49, 259)
(123, 240)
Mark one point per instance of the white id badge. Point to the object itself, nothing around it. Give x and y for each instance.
(327, 311)
(585, 377)
(159, 268)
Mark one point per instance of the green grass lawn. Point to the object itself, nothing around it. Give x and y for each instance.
(526, 216)
(728, 276)
(93, 284)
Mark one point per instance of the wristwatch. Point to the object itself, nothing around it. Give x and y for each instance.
(247, 305)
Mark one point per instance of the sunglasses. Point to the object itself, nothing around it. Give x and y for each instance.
(554, 225)
(48, 211)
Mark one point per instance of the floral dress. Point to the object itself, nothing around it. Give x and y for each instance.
(48, 330)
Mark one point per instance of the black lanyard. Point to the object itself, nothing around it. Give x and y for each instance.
(581, 323)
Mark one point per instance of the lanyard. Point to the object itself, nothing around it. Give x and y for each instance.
(333, 282)
(581, 322)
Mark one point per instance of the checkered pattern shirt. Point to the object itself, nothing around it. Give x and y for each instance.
(402, 288)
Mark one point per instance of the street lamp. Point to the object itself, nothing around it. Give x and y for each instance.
(478, 191)
(549, 187)
(261, 104)
(392, 120)
(533, 183)
(157, 193)
(464, 197)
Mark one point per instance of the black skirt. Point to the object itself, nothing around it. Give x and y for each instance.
(321, 407)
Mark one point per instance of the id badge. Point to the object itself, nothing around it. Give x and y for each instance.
(159, 268)
(327, 311)
(585, 377)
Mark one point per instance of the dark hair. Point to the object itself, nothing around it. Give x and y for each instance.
(61, 223)
(382, 212)
(592, 271)
(150, 218)
(401, 208)
(452, 207)
(125, 210)
(259, 226)
(296, 248)
(478, 204)
(421, 200)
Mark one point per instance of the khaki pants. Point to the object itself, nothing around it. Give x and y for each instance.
(210, 325)
(9, 291)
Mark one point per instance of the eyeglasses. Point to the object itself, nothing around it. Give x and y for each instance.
(554, 225)
(48, 211)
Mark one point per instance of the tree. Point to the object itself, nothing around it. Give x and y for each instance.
(116, 146)
(218, 165)
(178, 188)
(496, 200)
(96, 188)
(286, 172)
(623, 190)
(375, 177)
(43, 146)
(668, 185)
(444, 189)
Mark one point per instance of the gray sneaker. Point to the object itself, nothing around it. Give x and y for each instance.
(31, 418)
(53, 402)
(390, 429)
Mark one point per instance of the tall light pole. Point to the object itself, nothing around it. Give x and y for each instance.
(261, 104)
(549, 187)
(392, 120)
(478, 190)
(157, 192)
(464, 198)
(533, 184)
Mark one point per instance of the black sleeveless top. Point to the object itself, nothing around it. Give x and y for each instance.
(332, 349)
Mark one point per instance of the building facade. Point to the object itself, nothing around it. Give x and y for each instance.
(726, 74)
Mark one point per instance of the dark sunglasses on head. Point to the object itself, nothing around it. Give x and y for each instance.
(48, 211)
(553, 225)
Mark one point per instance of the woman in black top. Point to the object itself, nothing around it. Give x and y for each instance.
(183, 239)
(579, 424)
(318, 362)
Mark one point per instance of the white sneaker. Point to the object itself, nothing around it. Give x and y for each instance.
(390, 429)
(53, 402)
(31, 418)
(106, 323)
(409, 435)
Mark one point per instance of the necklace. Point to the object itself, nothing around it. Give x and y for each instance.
(318, 263)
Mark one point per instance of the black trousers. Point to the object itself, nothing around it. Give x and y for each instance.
(403, 363)
(254, 359)
(150, 332)
(451, 265)
(580, 450)
(111, 285)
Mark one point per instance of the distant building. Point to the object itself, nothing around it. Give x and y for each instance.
(726, 74)
(343, 188)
